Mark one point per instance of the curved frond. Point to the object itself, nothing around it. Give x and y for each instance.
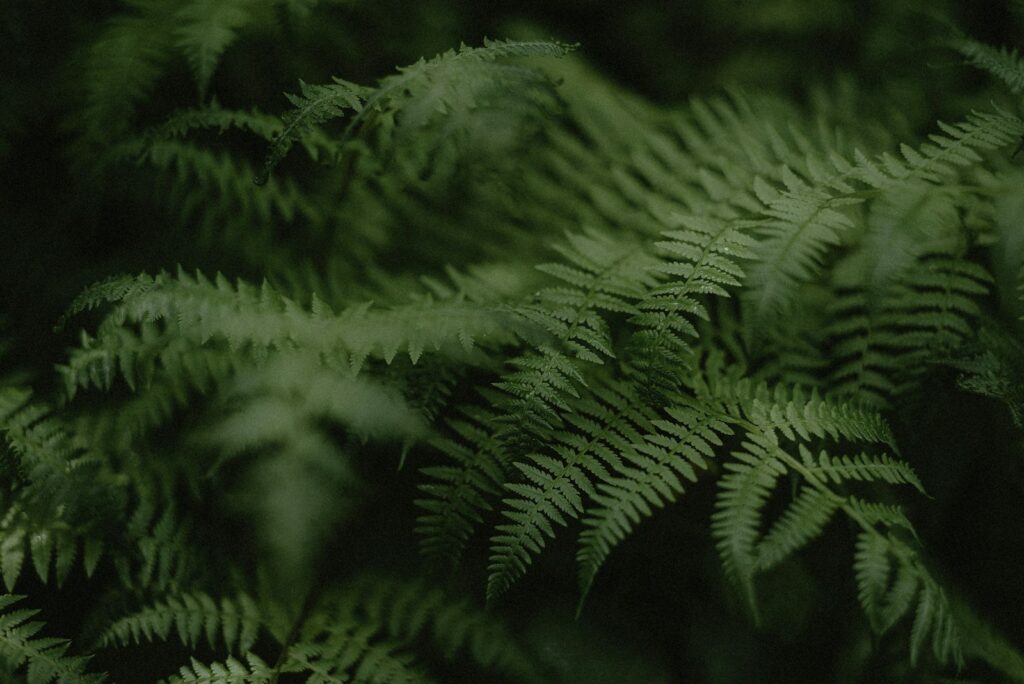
(450, 84)
(1004, 63)
(235, 623)
(736, 521)
(653, 469)
(558, 481)
(803, 521)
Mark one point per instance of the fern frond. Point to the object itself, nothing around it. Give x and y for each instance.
(537, 393)
(769, 414)
(347, 652)
(902, 295)
(407, 610)
(213, 116)
(235, 623)
(874, 513)
(143, 357)
(1004, 63)
(305, 482)
(60, 482)
(231, 671)
(160, 555)
(205, 30)
(260, 319)
(653, 469)
(602, 276)
(153, 145)
(55, 545)
(458, 81)
(366, 632)
(862, 467)
(798, 231)
(121, 67)
(886, 600)
(34, 435)
(935, 624)
(112, 289)
(736, 521)
(214, 189)
(163, 371)
(803, 521)
(46, 659)
(558, 480)
(801, 223)
(451, 85)
(457, 494)
(992, 367)
(795, 413)
(887, 595)
(880, 345)
(872, 568)
(267, 412)
(702, 256)
(315, 105)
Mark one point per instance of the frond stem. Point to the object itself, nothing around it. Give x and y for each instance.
(293, 635)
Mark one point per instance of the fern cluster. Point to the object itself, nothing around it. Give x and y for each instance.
(490, 302)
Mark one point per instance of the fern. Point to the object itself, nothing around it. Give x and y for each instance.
(367, 630)
(235, 623)
(407, 610)
(791, 411)
(913, 299)
(863, 468)
(601, 276)
(262, 319)
(45, 659)
(495, 302)
(990, 367)
(744, 492)
(1003, 63)
(232, 671)
(555, 485)
(303, 487)
(737, 517)
(655, 466)
(702, 261)
(206, 30)
(59, 483)
(122, 66)
(53, 546)
(802, 522)
(450, 83)
(317, 104)
(800, 222)
(913, 590)
(456, 493)
(161, 557)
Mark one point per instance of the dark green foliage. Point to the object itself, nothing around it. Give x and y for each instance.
(46, 658)
(491, 302)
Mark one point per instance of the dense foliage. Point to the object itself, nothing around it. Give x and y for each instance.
(690, 352)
